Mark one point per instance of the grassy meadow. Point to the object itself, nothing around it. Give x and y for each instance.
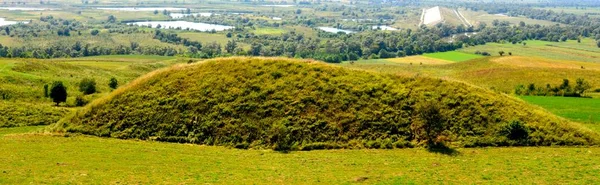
(92, 160)
(583, 110)
(454, 56)
(586, 51)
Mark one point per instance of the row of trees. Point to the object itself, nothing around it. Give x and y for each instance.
(58, 91)
(564, 89)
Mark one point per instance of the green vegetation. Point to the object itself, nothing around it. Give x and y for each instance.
(293, 105)
(26, 88)
(500, 74)
(453, 56)
(58, 93)
(583, 110)
(16, 114)
(268, 31)
(46, 158)
(565, 89)
(586, 51)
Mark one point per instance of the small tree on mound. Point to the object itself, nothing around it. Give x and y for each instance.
(113, 84)
(58, 92)
(87, 86)
(501, 53)
(430, 123)
(516, 130)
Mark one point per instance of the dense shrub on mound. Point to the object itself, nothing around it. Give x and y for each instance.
(14, 114)
(292, 105)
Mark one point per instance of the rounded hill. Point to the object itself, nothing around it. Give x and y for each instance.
(300, 105)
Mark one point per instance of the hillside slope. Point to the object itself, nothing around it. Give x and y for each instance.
(292, 104)
(22, 97)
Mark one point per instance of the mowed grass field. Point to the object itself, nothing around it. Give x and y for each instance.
(269, 31)
(454, 56)
(583, 110)
(55, 159)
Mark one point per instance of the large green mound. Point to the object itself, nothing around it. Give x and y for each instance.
(292, 104)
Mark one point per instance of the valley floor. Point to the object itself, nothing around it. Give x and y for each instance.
(49, 159)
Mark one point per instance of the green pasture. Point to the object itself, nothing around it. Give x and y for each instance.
(55, 159)
(453, 56)
(584, 110)
(570, 50)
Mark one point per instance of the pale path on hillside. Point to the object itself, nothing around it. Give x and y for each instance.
(462, 18)
(432, 16)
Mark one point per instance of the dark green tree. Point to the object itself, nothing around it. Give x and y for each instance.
(430, 124)
(112, 19)
(58, 92)
(94, 32)
(581, 86)
(113, 83)
(230, 46)
(87, 86)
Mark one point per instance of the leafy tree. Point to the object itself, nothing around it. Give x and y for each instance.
(565, 85)
(298, 11)
(80, 101)
(255, 49)
(598, 43)
(58, 92)
(581, 86)
(155, 12)
(87, 86)
(112, 19)
(113, 83)
(230, 46)
(94, 32)
(501, 53)
(431, 123)
(496, 22)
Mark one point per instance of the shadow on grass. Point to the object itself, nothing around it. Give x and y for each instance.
(441, 148)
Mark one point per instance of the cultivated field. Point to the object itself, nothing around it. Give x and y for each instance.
(571, 50)
(454, 56)
(583, 110)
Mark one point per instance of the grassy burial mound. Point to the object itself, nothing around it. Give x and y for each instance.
(300, 105)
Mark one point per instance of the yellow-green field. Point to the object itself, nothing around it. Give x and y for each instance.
(55, 159)
(571, 50)
(268, 31)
